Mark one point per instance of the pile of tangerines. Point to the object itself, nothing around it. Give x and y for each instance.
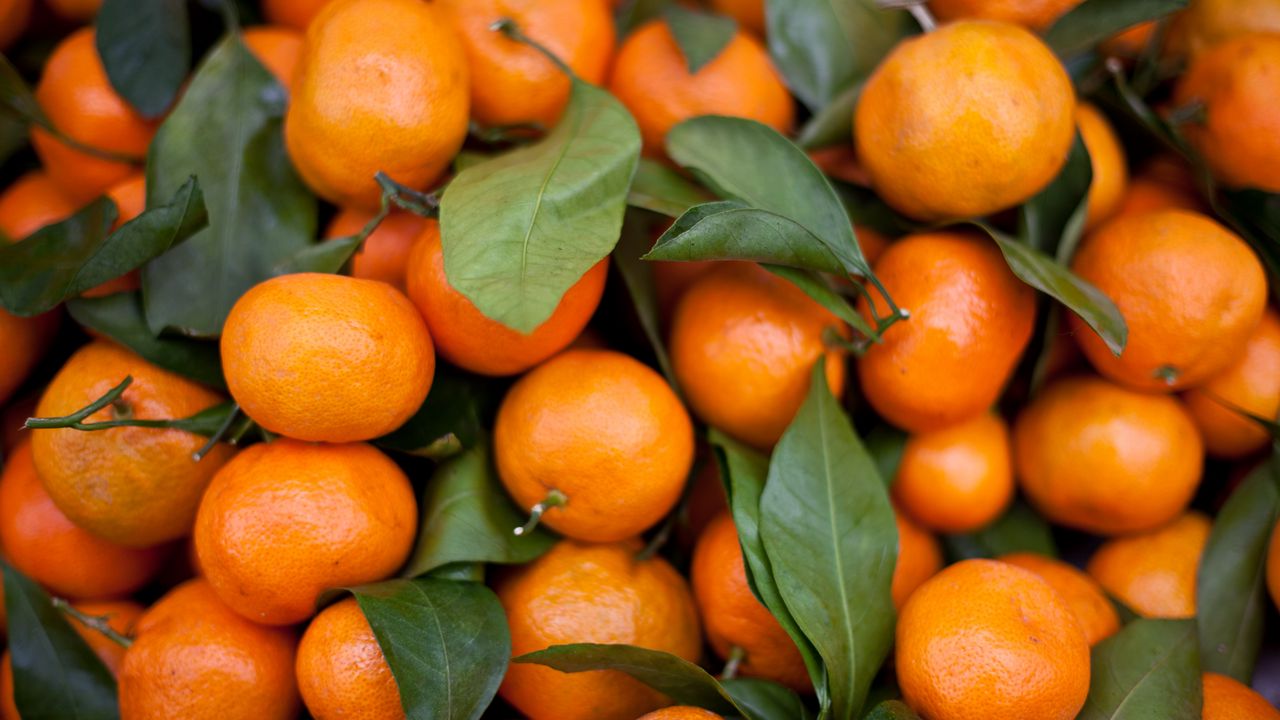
(998, 509)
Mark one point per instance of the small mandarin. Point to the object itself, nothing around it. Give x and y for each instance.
(1154, 573)
(919, 558)
(1034, 14)
(1164, 183)
(24, 340)
(296, 14)
(31, 202)
(681, 712)
(341, 670)
(385, 253)
(749, 13)
(1229, 699)
(957, 479)
(130, 197)
(1250, 384)
(1095, 613)
(1106, 156)
(1208, 23)
(278, 48)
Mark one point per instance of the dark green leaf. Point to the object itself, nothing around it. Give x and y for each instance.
(635, 13)
(146, 50)
(1150, 669)
(450, 419)
(120, 318)
(658, 188)
(675, 677)
(446, 641)
(328, 256)
(55, 674)
(823, 47)
(519, 230)
(701, 36)
(1020, 529)
(1053, 220)
(226, 130)
(766, 700)
(892, 710)
(464, 571)
(833, 124)
(1231, 586)
(1050, 277)
(468, 518)
(886, 443)
(728, 230)
(637, 275)
(1093, 21)
(831, 539)
(816, 287)
(744, 160)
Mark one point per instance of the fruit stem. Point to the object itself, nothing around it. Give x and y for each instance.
(736, 656)
(508, 27)
(1167, 374)
(404, 197)
(1191, 113)
(99, 623)
(74, 419)
(554, 498)
(222, 432)
(917, 10)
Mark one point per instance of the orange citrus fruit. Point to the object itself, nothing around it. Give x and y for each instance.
(957, 479)
(31, 202)
(919, 558)
(285, 521)
(385, 253)
(294, 13)
(1164, 183)
(600, 594)
(341, 670)
(681, 712)
(1034, 14)
(14, 16)
(1106, 156)
(78, 10)
(278, 48)
(1207, 23)
(24, 340)
(1095, 613)
(1154, 573)
(1229, 699)
(605, 431)
(1252, 384)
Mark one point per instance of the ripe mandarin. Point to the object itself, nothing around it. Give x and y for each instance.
(1154, 573)
(341, 670)
(957, 479)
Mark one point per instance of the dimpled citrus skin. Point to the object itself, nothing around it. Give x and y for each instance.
(650, 76)
(14, 15)
(1107, 159)
(743, 344)
(327, 358)
(278, 48)
(974, 117)
(285, 521)
(341, 670)
(467, 338)
(603, 429)
(1190, 291)
(733, 617)
(397, 106)
(1251, 383)
(43, 544)
(597, 594)
(78, 99)
(31, 202)
(1226, 698)
(1240, 134)
(970, 319)
(919, 558)
(1154, 573)
(195, 659)
(959, 478)
(294, 13)
(681, 712)
(1034, 14)
(384, 255)
(983, 640)
(1095, 613)
(513, 83)
(131, 485)
(1095, 456)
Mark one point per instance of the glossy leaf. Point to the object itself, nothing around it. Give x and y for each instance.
(892, 710)
(226, 130)
(1020, 529)
(766, 700)
(830, 536)
(1231, 585)
(728, 230)
(1150, 669)
(327, 256)
(673, 676)
(744, 161)
(833, 124)
(700, 36)
(56, 676)
(1093, 21)
(451, 419)
(823, 47)
(145, 47)
(1053, 220)
(658, 188)
(119, 317)
(637, 275)
(467, 517)
(519, 230)
(446, 642)
(1053, 279)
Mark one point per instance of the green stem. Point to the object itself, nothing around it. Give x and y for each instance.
(1193, 112)
(508, 27)
(916, 8)
(554, 498)
(731, 666)
(98, 623)
(406, 198)
(74, 420)
(222, 432)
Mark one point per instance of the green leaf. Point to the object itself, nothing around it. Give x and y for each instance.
(658, 188)
(119, 317)
(886, 445)
(766, 700)
(700, 36)
(728, 230)
(638, 277)
(1150, 669)
(519, 230)
(635, 13)
(1053, 220)
(446, 642)
(464, 571)
(830, 536)
(817, 288)
(55, 674)
(327, 256)
(1021, 529)
(1053, 279)
(745, 161)
(468, 518)
(451, 419)
(226, 130)
(1231, 586)
(823, 47)
(673, 676)
(833, 124)
(892, 710)
(1093, 21)
(146, 49)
